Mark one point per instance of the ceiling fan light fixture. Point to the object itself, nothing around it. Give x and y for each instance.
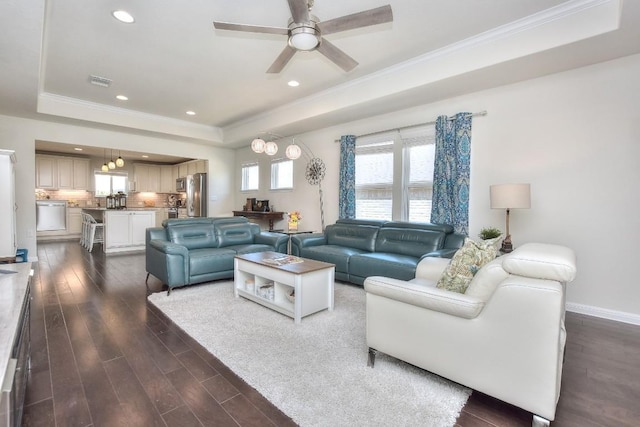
(258, 145)
(270, 148)
(304, 38)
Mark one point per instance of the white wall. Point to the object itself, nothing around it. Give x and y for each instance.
(572, 135)
(20, 135)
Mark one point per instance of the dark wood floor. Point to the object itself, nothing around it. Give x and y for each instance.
(102, 356)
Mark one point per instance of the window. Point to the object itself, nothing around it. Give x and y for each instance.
(282, 174)
(394, 175)
(250, 177)
(374, 180)
(110, 183)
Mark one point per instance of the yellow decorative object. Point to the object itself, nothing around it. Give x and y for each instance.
(294, 218)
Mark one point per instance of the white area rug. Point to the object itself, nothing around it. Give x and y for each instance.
(315, 372)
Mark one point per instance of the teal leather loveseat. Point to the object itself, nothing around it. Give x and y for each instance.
(363, 248)
(195, 250)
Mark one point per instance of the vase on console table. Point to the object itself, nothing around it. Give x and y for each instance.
(293, 225)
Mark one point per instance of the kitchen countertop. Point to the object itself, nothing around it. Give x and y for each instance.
(13, 287)
(127, 209)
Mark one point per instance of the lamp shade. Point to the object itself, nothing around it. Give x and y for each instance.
(258, 145)
(510, 196)
(271, 148)
(293, 152)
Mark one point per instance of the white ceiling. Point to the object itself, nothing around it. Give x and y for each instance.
(172, 60)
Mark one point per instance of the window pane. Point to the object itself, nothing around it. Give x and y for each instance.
(250, 177)
(103, 185)
(421, 161)
(282, 175)
(374, 181)
(119, 183)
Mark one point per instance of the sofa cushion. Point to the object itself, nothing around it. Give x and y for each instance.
(230, 234)
(406, 241)
(337, 255)
(249, 249)
(466, 263)
(204, 261)
(399, 266)
(193, 236)
(361, 237)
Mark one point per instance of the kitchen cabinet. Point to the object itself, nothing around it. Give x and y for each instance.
(125, 230)
(74, 222)
(183, 170)
(192, 167)
(46, 172)
(62, 173)
(161, 215)
(167, 180)
(147, 177)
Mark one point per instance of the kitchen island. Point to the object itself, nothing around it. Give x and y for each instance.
(124, 229)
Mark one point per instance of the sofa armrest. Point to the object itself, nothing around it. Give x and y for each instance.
(278, 240)
(453, 303)
(431, 268)
(167, 261)
(307, 240)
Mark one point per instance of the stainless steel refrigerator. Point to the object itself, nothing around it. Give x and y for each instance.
(197, 195)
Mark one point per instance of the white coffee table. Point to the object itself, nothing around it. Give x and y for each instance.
(259, 279)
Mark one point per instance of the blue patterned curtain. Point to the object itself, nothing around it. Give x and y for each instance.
(347, 195)
(450, 203)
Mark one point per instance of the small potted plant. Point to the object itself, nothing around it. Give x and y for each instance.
(489, 233)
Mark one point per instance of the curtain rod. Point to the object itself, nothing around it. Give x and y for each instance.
(432, 122)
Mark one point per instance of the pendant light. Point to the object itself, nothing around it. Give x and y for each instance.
(257, 145)
(271, 148)
(112, 164)
(105, 168)
(119, 160)
(293, 151)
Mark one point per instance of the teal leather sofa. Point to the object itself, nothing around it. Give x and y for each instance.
(363, 248)
(195, 250)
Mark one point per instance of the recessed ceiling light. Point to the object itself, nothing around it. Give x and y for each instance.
(78, 149)
(191, 113)
(144, 156)
(122, 98)
(294, 83)
(123, 16)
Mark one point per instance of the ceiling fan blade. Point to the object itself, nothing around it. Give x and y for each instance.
(379, 15)
(299, 10)
(249, 28)
(282, 60)
(340, 58)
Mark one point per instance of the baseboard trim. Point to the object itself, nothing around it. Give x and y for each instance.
(618, 316)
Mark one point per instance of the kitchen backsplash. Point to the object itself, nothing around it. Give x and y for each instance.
(84, 199)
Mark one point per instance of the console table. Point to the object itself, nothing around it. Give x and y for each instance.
(269, 216)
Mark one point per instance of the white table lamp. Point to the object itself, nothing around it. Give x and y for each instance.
(510, 196)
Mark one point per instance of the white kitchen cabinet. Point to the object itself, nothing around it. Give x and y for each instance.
(167, 181)
(81, 176)
(8, 237)
(161, 215)
(62, 173)
(46, 172)
(147, 177)
(183, 170)
(125, 230)
(202, 166)
(74, 222)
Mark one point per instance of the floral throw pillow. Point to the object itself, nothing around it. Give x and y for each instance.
(466, 262)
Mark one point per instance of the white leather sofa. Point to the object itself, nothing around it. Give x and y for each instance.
(504, 336)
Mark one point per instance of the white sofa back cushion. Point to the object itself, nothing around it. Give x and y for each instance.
(542, 261)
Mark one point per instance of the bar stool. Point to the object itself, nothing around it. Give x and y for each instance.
(94, 231)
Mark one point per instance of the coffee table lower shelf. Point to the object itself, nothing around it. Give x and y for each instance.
(269, 286)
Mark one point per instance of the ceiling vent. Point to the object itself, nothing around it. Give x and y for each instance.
(100, 81)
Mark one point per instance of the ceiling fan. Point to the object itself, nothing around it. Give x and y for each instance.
(305, 32)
